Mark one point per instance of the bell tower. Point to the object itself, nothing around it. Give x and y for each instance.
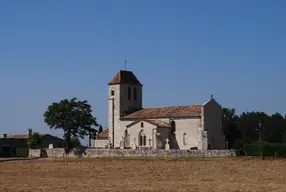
(124, 97)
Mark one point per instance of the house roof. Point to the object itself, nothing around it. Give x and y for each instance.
(14, 142)
(103, 135)
(155, 122)
(18, 136)
(125, 77)
(22, 136)
(166, 112)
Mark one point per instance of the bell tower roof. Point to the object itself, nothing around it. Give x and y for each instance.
(125, 77)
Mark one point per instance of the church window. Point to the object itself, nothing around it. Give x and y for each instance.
(142, 139)
(142, 124)
(129, 93)
(173, 127)
(112, 93)
(134, 93)
(185, 139)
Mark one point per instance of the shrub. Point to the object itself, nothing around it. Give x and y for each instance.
(34, 141)
(22, 152)
(267, 149)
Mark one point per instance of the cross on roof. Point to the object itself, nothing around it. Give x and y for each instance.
(125, 61)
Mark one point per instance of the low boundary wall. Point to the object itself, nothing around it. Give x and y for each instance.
(146, 153)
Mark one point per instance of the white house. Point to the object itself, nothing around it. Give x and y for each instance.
(180, 127)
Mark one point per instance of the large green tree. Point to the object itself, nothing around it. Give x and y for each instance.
(249, 127)
(230, 129)
(72, 116)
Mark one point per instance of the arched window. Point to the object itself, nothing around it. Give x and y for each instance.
(173, 127)
(126, 139)
(185, 139)
(134, 93)
(129, 93)
(142, 139)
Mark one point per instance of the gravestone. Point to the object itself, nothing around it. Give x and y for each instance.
(122, 143)
(167, 146)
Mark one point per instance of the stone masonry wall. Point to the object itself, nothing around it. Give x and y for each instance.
(146, 153)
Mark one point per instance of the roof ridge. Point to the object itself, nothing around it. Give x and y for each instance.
(174, 106)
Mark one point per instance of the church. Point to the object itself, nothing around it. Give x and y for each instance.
(130, 126)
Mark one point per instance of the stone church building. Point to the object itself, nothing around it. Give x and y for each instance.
(177, 127)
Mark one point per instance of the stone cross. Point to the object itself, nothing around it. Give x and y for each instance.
(109, 144)
(135, 146)
(122, 143)
(149, 142)
(167, 141)
(226, 143)
(167, 146)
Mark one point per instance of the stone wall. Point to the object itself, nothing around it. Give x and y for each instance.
(145, 153)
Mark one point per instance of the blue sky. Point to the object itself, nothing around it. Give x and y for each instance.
(182, 51)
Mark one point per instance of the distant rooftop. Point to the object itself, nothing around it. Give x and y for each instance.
(18, 136)
(103, 135)
(21, 136)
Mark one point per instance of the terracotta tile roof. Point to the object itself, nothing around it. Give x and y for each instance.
(166, 112)
(125, 77)
(155, 122)
(18, 136)
(103, 135)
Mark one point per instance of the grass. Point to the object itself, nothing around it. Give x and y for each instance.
(218, 175)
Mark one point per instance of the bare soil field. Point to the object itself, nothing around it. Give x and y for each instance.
(218, 175)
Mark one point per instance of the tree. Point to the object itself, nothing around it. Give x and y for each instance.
(230, 129)
(284, 137)
(91, 134)
(100, 129)
(249, 127)
(74, 142)
(72, 116)
(34, 141)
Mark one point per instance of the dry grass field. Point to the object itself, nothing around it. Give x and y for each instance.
(218, 175)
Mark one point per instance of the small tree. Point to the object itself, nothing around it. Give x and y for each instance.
(72, 116)
(74, 142)
(91, 134)
(100, 129)
(34, 141)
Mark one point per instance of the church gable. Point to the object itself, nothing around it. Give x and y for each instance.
(211, 101)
